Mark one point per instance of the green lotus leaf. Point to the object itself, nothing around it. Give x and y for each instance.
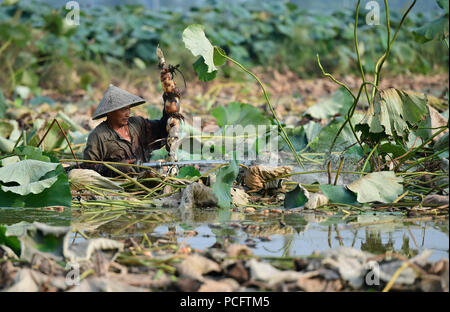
(381, 187)
(27, 173)
(195, 41)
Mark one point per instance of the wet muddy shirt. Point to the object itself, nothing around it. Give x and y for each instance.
(105, 144)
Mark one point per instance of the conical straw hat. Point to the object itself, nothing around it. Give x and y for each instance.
(114, 99)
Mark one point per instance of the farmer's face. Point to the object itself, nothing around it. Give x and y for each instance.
(119, 117)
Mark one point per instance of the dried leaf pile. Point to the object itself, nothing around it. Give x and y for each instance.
(160, 266)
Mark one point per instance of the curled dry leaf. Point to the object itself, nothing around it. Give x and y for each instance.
(239, 196)
(194, 266)
(238, 272)
(7, 274)
(141, 280)
(319, 285)
(437, 121)
(267, 273)
(28, 280)
(97, 284)
(387, 271)
(316, 200)
(224, 285)
(235, 250)
(350, 263)
(80, 177)
(7, 253)
(84, 251)
(24, 282)
(440, 267)
(264, 177)
(310, 283)
(187, 285)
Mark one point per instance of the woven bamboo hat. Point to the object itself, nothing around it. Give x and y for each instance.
(114, 99)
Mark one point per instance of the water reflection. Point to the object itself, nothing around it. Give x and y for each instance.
(374, 243)
(9, 216)
(296, 234)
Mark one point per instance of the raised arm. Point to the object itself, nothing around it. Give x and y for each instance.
(155, 132)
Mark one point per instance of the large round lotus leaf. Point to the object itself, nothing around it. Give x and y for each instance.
(381, 186)
(34, 187)
(239, 114)
(27, 173)
(195, 40)
(338, 103)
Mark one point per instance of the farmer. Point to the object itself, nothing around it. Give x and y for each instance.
(121, 138)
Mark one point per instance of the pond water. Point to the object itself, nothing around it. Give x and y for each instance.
(274, 235)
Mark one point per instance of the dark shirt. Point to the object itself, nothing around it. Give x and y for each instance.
(105, 144)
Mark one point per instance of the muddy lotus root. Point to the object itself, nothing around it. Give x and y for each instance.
(264, 177)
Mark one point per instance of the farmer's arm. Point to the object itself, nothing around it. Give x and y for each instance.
(155, 132)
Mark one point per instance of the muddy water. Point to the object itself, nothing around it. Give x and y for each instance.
(295, 234)
(301, 234)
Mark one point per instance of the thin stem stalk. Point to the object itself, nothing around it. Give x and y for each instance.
(284, 136)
